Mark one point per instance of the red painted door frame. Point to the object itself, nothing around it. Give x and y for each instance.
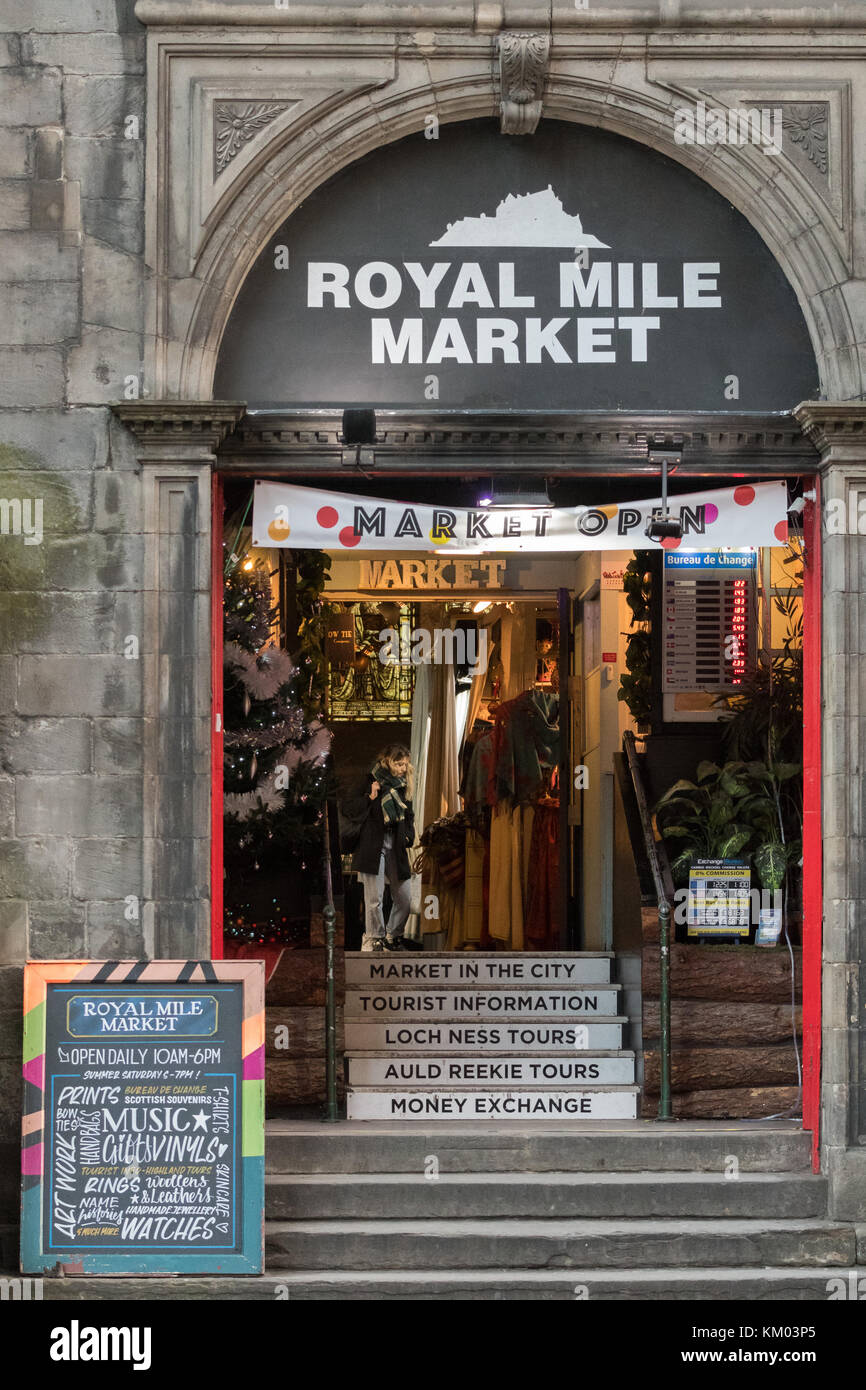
(813, 908)
(216, 785)
(812, 838)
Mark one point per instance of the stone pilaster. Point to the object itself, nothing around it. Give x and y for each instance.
(177, 443)
(839, 434)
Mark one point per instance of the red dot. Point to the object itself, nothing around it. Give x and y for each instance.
(671, 542)
(327, 516)
(711, 512)
(744, 496)
(348, 536)
(780, 531)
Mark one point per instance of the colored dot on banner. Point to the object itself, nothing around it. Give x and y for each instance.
(711, 512)
(348, 536)
(327, 517)
(671, 542)
(744, 496)
(438, 540)
(609, 511)
(780, 531)
(278, 530)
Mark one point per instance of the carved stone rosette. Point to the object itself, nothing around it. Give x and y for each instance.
(523, 61)
(238, 122)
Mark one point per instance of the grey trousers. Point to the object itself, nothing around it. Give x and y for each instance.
(374, 891)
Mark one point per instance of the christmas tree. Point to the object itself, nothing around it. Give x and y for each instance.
(275, 770)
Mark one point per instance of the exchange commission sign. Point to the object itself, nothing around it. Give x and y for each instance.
(573, 271)
(143, 1136)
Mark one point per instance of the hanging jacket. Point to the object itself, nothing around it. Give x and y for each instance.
(359, 813)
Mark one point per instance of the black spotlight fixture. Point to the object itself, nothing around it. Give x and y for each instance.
(358, 435)
(668, 454)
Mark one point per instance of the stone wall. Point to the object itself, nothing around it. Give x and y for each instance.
(72, 117)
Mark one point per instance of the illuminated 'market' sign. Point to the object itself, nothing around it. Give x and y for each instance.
(574, 270)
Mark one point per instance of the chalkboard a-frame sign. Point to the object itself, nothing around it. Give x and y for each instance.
(143, 1118)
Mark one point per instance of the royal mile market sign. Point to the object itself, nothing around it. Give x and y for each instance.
(310, 518)
(575, 270)
(143, 1130)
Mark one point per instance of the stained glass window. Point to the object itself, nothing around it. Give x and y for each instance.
(377, 682)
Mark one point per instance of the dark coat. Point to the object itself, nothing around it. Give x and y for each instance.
(359, 810)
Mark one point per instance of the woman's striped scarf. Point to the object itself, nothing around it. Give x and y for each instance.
(391, 796)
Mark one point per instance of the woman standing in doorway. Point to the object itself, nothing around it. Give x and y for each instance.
(382, 813)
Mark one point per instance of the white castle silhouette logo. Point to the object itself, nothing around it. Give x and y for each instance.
(527, 219)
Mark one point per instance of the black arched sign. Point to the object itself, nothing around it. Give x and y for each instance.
(573, 270)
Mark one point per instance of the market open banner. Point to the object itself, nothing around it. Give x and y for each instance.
(303, 518)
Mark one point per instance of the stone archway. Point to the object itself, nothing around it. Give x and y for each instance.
(786, 211)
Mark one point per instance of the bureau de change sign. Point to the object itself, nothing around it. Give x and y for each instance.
(572, 271)
(143, 1142)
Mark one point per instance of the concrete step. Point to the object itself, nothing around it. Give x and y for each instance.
(469, 1003)
(547, 1243)
(506, 1035)
(690, 1146)
(614, 1068)
(473, 1103)
(747, 1284)
(479, 967)
(777, 1196)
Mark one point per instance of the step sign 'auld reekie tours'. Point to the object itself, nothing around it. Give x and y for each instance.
(572, 271)
(303, 518)
(143, 1129)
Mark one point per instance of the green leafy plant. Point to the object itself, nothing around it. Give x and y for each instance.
(730, 812)
(635, 686)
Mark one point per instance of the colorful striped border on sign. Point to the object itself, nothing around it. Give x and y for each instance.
(110, 1025)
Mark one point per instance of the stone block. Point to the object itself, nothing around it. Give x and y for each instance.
(180, 930)
(113, 288)
(107, 168)
(47, 204)
(48, 152)
(110, 936)
(14, 204)
(89, 685)
(114, 221)
(83, 806)
(44, 745)
(13, 932)
(31, 376)
(117, 745)
(11, 1001)
(57, 931)
(8, 683)
(35, 255)
(116, 501)
(65, 501)
(14, 154)
(30, 96)
(56, 622)
(34, 868)
(99, 106)
(98, 369)
(106, 869)
(40, 312)
(88, 53)
(94, 562)
(22, 570)
(58, 439)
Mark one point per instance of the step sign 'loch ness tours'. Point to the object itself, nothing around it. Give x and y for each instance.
(573, 270)
(143, 1129)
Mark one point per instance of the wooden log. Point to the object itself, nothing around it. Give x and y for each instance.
(724, 972)
(306, 1032)
(738, 1025)
(299, 979)
(298, 1081)
(740, 1103)
(723, 1068)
